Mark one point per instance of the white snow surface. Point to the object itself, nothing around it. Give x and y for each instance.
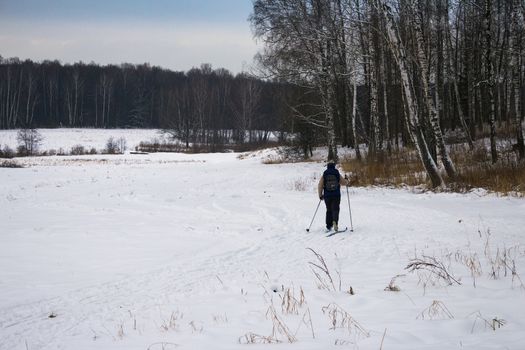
(175, 251)
(66, 138)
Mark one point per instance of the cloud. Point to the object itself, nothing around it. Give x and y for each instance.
(176, 45)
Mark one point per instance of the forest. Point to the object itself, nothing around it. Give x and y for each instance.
(375, 75)
(428, 69)
(202, 105)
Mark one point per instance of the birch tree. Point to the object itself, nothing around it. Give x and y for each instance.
(31, 81)
(246, 107)
(413, 110)
(299, 48)
(453, 72)
(516, 62)
(376, 142)
(423, 67)
(489, 78)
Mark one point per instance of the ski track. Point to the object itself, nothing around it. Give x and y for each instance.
(270, 251)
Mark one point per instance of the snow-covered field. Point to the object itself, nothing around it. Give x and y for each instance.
(66, 138)
(55, 139)
(210, 251)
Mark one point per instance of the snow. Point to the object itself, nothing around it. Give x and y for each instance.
(66, 138)
(166, 251)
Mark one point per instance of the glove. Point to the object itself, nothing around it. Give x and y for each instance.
(321, 197)
(346, 177)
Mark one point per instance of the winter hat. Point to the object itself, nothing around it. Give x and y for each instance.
(331, 163)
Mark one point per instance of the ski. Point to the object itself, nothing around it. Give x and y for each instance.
(336, 232)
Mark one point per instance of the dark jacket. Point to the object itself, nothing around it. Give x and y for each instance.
(330, 183)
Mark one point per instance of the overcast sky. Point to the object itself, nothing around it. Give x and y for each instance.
(174, 34)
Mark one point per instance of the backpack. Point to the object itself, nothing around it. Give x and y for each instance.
(331, 182)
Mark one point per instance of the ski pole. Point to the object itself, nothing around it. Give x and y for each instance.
(349, 210)
(316, 209)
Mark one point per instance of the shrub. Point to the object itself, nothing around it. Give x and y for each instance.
(78, 150)
(10, 164)
(121, 145)
(28, 141)
(7, 152)
(115, 146)
(22, 151)
(111, 146)
(286, 154)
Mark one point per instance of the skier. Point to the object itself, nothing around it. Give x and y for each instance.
(329, 189)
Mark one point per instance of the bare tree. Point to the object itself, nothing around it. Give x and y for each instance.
(423, 67)
(104, 93)
(516, 62)
(300, 48)
(31, 95)
(74, 95)
(376, 68)
(246, 107)
(453, 76)
(28, 141)
(414, 114)
(489, 78)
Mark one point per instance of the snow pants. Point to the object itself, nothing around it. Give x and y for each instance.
(332, 210)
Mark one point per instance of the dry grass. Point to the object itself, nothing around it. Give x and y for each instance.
(280, 332)
(495, 178)
(173, 322)
(194, 148)
(400, 169)
(341, 319)
(392, 286)
(163, 346)
(280, 329)
(435, 270)
(495, 323)
(475, 170)
(436, 310)
(253, 338)
(290, 303)
(472, 262)
(321, 272)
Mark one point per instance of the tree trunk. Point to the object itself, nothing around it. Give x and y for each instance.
(376, 142)
(454, 78)
(490, 79)
(354, 121)
(517, 23)
(413, 110)
(385, 99)
(431, 108)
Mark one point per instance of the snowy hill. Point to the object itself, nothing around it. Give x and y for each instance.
(210, 251)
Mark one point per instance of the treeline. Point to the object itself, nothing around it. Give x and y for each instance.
(426, 68)
(204, 105)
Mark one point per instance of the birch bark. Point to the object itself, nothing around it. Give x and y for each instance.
(517, 24)
(431, 108)
(413, 109)
(490, 79)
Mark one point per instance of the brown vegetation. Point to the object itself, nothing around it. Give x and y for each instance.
(177, 147)
(475, 170)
